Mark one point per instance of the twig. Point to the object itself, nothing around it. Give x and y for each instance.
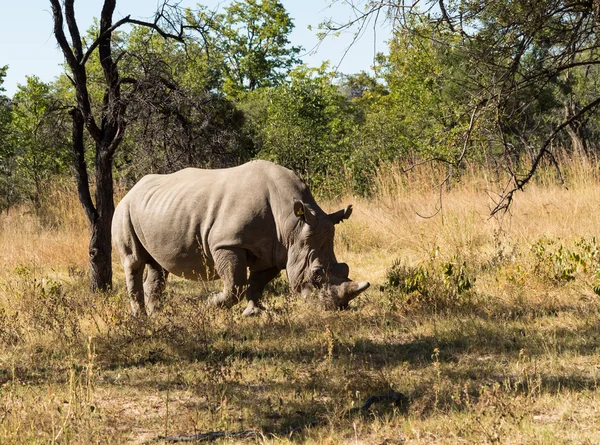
(396, 398)
(456, 163)
(205, 437)
(507, 198)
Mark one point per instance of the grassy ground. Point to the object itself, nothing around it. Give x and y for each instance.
(489, 327)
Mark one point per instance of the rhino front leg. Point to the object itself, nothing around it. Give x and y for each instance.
(231, 265)
(154, 285)
(256, 286)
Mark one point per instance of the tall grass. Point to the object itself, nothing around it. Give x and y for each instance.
(489, 326)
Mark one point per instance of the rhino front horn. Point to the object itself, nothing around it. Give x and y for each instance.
(356, 290)
(351, 291)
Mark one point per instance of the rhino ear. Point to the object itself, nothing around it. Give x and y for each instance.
(341, 215)
(303, 212)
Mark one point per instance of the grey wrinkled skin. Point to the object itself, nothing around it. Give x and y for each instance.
(209, 224)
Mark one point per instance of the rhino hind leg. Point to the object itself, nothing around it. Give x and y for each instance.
(256, 284)
(134, 259)
(154, 285)
(231, 265)
(134, 280)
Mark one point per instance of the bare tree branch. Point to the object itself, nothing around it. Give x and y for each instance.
(79, 75)
(73, 29)
(520, 183)
(80, 167)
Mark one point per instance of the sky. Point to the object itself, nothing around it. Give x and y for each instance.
(28, 47)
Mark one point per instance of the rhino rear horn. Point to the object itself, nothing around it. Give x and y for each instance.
(341, 215)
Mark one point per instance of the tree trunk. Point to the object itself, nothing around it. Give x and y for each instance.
(107, 136)
(100, 236)
(99, 216)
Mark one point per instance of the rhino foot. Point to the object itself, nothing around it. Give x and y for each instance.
(222, 299)
(137, 310)
(252, 309)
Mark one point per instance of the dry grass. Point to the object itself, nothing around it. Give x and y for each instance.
(489, 326)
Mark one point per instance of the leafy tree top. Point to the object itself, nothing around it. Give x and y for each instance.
(251, 41)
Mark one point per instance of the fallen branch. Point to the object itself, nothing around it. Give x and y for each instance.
(395, 398)
(205, 437)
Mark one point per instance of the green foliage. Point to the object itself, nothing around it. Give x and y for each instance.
(3, 71)
(305, 125)
(560, 264)
(6, 185)
(457, 276)
(432, 285)
(418, 106)
(251, 41)
(36, 145)
(234, 91)
(177, 115)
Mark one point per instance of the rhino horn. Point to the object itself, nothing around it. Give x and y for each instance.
(352, 289)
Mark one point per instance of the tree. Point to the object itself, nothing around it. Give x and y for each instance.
(38, 136)
(252, 41)
(7, 198)
(421, 113)
(522, 58)
(180, 118)
(306, 125)
(105, 123)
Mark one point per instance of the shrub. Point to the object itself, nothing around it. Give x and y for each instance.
(431, 285)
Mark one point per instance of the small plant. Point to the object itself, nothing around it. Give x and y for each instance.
(41, 304)
(560, 264)
(442, 285)
(406, 278)
(457, 277)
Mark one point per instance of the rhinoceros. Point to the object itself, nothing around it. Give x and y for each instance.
(207, 224)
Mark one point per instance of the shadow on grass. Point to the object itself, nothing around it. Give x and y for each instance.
(323, 364)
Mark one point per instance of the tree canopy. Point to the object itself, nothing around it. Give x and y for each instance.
(524, 65)
(504, 84)
(250, 42)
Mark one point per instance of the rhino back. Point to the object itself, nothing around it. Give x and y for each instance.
(182, 218)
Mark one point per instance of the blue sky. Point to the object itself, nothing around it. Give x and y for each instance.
(29, 48)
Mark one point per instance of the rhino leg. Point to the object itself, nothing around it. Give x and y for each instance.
(134, 280)
(256, 285)
(133, 257)
(154, 285)
(231, 265)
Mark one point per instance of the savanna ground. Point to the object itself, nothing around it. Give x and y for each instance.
(489, 327)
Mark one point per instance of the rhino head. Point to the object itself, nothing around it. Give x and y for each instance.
(312, 266)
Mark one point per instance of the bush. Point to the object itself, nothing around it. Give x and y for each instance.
(431, 285)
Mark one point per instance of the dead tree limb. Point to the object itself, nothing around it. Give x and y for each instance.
(506, 198)
(205, 437)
